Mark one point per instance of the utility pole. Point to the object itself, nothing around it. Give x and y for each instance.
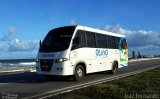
(139, 55)
(133, 54)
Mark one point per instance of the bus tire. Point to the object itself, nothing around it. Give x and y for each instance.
(79, 73)
(114, 68)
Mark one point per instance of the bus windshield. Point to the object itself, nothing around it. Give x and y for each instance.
(57, 39)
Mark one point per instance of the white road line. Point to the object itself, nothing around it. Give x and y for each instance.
(90, 83)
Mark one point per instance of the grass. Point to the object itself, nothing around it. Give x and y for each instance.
(143, 85)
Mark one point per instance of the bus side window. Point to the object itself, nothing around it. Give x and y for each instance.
(101, 41)
(91, 41)
(79, 40)
(111, 42)
(117, 42)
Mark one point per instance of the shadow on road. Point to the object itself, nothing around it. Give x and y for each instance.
(31, 78)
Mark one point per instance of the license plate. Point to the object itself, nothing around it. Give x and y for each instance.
(45, 66)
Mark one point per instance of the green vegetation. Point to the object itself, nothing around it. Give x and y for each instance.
(143, 85)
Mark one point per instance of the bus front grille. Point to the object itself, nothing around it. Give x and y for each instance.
(46, 65)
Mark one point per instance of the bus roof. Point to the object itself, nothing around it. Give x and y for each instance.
(98, 31)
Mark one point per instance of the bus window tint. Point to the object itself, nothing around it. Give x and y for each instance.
(80, 36)
(117, 42)
(101, 41)
(91, 42)
(111, 42)
(57, 39)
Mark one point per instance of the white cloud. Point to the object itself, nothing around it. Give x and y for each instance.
(17, 49)
(10, 35)
(1, 48)
(18, 45)
(115, 29)
(12, 47)
(12, 30)
(73, 21)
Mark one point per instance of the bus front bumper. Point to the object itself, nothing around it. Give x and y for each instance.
(59, 69)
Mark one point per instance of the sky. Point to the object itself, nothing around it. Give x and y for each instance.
(23, 23)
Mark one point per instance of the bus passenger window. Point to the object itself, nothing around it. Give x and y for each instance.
(91, 41)
(79, 40)
(111, 42)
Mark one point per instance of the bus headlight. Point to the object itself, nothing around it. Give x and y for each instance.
(61, 60)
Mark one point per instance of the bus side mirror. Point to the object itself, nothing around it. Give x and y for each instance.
(40, 43)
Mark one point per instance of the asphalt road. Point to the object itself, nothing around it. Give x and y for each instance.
(31, 85)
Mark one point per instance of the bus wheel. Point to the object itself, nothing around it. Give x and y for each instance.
(79, 73)
(114, 68)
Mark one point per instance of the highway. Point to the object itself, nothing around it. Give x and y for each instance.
(30, 85)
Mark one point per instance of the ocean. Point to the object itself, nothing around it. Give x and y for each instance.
(13, 63)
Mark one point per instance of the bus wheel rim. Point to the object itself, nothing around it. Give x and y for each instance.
(80, 72)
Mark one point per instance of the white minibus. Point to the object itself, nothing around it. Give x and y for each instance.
(79, 50)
